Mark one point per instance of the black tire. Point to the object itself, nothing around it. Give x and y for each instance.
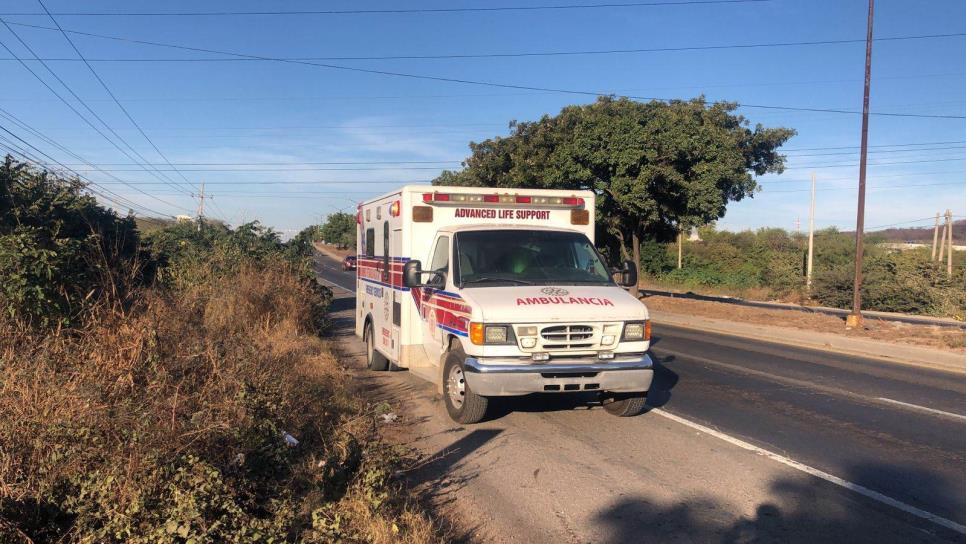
(463, 405)
(374, 360)
(625, 405)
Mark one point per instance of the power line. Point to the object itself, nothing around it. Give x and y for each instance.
(317, 182)
(875, 163)
(545, 7)
(121, 200)
(875, 188)
(881, 151)
(283, 163)
(12, 118)
(524, 54)
(71, 106)
(436, 168)
(308, 169)
(109, 92)
(390, 73)
(880, 145)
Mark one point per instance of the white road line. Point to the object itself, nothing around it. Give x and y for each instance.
(923, 408)
(344, 288)
(812, 385)
(861, 490)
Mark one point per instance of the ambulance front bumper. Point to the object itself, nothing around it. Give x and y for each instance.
(495, 378)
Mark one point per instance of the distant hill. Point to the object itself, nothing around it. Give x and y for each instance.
(923, 234)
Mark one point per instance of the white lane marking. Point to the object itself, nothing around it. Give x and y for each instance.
(344, 288)
(812, 385)
(923, 408)
(861, 490)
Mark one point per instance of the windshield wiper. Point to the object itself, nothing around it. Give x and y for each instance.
(485, 279)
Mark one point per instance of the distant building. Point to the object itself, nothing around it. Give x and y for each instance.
(184, 218)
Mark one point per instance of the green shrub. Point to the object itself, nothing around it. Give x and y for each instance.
(60, 252)
(774, 260)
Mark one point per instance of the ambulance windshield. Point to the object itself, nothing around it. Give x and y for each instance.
(493, 258)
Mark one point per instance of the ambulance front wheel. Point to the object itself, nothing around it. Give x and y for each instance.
(462, 404)
(627, 405)
(374, 359)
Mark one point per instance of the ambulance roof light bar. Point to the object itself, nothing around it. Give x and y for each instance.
(505, 199)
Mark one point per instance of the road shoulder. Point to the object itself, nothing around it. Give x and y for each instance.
(893, 353)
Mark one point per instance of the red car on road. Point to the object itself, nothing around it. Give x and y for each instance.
(349, 263)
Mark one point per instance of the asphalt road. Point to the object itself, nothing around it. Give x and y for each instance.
(746, 441)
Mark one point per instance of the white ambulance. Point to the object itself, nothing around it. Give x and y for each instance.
(495, 292)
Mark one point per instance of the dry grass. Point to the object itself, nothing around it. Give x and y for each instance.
(167, 423)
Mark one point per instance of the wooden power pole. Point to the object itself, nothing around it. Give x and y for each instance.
(201, 206)
(811, 239)
(935, 237)
(942, 242)
(949, 256)
(680, 244)
(854, 319)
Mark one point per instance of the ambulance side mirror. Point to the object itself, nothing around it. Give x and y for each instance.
(412, 271)
(629, 274)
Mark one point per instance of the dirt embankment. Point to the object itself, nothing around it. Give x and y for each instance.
(335, 251)
(887, 331)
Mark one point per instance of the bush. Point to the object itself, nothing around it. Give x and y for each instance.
(59, 251)
(165, 406)
(168, 423)
(775, 261)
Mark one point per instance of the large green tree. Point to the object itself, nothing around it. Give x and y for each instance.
(658, 168)
(340, 229)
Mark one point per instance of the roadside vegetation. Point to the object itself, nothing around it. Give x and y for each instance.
(771, 263)
(173, 387)
(339, 230)
(663, 168)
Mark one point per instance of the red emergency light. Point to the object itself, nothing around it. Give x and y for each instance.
(505, 200)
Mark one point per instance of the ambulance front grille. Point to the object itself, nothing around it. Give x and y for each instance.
(567, 336)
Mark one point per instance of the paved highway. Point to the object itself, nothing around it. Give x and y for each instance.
(746, 441)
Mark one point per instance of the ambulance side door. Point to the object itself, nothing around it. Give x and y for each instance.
(430, 309)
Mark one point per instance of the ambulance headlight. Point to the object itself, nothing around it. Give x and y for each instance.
(633, 331)
(481, 333)
(528, 343)
(495, 334)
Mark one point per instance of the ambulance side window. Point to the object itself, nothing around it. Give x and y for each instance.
(370, 242)
(440, 260)
(385, 250)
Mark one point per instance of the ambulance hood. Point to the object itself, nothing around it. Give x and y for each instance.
(549, 304)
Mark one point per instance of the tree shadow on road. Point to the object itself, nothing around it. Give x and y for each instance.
(801, 509)
(438, 481)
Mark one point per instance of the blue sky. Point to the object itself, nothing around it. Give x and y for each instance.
(209, 117)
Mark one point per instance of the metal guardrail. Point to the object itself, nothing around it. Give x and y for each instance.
(838, 312)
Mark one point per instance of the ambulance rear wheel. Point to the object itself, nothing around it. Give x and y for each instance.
(462, 404)
(374, 359)
(625, 405)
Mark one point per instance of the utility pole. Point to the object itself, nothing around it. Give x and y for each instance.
(942, 243)
(680, 243)
(935, 237)
(949, 256)
(811, 239)
(798, 225)
(854, 319)
(201, 206)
